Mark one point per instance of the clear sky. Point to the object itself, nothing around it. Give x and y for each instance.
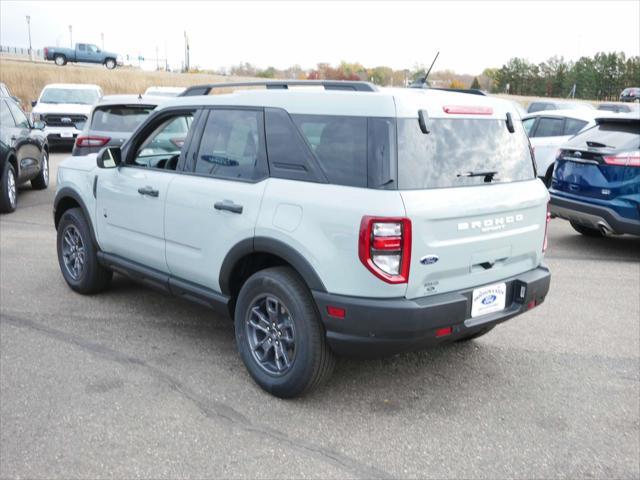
(470, 35)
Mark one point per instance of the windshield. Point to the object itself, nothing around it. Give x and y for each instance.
(119, 118)
(461, 152)
(69, 95)
(161, 93)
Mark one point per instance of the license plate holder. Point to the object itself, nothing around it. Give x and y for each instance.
(488, 299)
(66, 134)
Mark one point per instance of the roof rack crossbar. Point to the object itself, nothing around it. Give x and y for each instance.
(283, 85)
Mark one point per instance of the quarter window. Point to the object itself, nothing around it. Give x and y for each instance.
(528, 124)
(340, 145)
(19, 117)
(233, 145)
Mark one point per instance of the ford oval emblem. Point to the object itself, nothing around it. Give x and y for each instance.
(429, 259)
(488, 300)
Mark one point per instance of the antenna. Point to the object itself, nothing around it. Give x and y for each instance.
(429, 71)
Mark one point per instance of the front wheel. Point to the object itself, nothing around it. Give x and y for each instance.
(279, 334)
(42, 180)
(586, 231)
(110, 63)
(78, 255)
(8, 188)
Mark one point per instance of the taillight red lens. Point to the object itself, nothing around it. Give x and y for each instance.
(624, 159)
(545, 244)
(384, 247)
(91, 141)
(467, 110)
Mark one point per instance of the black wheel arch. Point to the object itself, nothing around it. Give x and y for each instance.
(253, 254)
(65, 199)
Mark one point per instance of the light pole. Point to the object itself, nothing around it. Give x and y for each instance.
(102, 38)
(29, 29)
(71, 35)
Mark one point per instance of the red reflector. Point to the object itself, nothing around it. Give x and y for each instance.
(336, 312)
(443, 332)
(387, 243)
(467, 110)
(531, 304)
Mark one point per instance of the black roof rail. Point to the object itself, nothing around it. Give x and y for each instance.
(283, 85)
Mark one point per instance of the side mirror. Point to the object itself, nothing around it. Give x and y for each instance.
(34, 103)
(39, 125)
(109, 157)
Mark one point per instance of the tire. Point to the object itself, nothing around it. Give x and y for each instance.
(8, 188)
(42, 180)
(281, 291)
(60, 60)
(586, 231)
(90, 276)
(110, 63)
(477, 334)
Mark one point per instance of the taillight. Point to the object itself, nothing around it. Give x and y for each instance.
(467, 110)
(545, 244)
(91, 141)
(385, 247)
(624, 159)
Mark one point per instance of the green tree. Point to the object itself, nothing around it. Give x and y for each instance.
(475, 84)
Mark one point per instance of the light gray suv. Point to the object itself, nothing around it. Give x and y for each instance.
(338, 219)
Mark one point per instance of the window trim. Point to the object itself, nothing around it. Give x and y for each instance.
(196, 142)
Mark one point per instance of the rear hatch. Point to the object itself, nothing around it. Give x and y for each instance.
(478, 213)
(602, 164)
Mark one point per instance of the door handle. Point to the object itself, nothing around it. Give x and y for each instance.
(13, 138)
(229, 206)
(148, 191)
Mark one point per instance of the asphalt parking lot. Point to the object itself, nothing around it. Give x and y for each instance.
(131, 383)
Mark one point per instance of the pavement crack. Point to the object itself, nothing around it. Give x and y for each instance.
(210, 408)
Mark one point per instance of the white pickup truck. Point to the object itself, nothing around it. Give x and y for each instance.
(64, 109)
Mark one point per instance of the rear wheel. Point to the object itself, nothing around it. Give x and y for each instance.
(77, 254)
(42, 180)
(8, 188)
(60, 60)
(279, 335)
(110, 63)
(586, 231)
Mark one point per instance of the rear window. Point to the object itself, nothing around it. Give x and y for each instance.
(454, 147)
(615, 135)
(119, 118)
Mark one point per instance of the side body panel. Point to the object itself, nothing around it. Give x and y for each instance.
(322, 223)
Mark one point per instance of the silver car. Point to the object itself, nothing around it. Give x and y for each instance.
(113, 120)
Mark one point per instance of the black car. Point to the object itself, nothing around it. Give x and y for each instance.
(619, 107)
(24, 154)
(630, 95)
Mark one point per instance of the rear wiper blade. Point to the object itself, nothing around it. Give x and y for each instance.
(598, 145)
(488, 176)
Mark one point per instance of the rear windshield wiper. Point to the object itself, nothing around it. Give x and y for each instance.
(598, 145)
(488, 176)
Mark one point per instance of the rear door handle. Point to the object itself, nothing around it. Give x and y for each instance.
(229, 206)
(149, 191)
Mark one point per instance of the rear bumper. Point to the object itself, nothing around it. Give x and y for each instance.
(592, 215)
(378, 327)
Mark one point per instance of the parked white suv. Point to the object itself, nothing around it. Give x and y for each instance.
(348, 220)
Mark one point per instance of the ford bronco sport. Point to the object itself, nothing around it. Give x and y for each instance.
(339, 219)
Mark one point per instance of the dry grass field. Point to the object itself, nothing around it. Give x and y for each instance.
(26, 79)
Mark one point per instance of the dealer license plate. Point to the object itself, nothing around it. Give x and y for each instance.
(488, 299)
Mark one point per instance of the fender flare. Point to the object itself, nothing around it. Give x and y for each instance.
(67, 192)
(273, 247)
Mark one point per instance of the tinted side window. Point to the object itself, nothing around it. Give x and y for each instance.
(340, 145)
(81, 47)
(163, 146)
(289, 155)
(233, 145)
(528, 124)
(18, 116)
(573, 126)
(6, 120)
(549, 127)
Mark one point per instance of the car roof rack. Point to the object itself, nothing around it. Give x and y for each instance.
(283, 85)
